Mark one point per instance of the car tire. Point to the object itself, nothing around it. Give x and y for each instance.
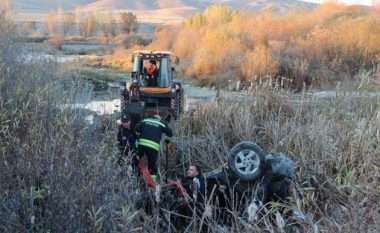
(246, 160)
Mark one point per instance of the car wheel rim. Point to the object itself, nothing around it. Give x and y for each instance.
(247, 162)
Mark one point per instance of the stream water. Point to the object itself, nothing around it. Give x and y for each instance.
(107, 102)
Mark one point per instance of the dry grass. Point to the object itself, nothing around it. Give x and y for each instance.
(54, 178)
(335, 142)
(121, 55)
(121, 59)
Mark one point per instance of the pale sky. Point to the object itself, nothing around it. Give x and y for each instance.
(361, 2)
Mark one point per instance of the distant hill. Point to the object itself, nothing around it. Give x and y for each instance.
(159, 11)
(43, 6)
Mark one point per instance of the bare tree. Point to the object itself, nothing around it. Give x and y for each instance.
(68, 23)
(27, 27)
(90, 26)
(5, 4)
(109, 29)
(108, 26)
(60, 18)
(128, 22)
(50, 23)
(78, 20)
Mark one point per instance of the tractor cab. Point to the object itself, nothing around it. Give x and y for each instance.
(162, 61)
(152, 90)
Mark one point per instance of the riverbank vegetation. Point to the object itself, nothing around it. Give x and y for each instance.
(334, 143)
(220, 47)
(320, 47)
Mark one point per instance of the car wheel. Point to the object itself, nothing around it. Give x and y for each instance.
(246, 160)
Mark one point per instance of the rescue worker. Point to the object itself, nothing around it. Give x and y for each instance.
(126, 138)
(151, 74)
(149, 132)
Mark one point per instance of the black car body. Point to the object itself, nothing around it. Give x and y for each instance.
(227, 190)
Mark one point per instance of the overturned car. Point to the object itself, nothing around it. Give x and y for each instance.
(250, 180)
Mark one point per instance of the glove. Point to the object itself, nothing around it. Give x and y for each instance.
(169, 145)
(167, 140)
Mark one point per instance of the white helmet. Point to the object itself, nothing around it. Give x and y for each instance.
(157, 117)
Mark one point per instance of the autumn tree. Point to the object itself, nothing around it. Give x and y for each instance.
(330, 43)
(78, 19)
(68, 23)
(27, 27)
(259, 62)
(128, 22)
(60, 18)
(50, 23)
(218, 15)
(90, 26)
(108, 27)
(5, 4)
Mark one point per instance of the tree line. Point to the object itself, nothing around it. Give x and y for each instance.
(86, 24)
(330, 43)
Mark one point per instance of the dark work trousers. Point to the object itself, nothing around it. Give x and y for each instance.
(152, 156)
(126, 141)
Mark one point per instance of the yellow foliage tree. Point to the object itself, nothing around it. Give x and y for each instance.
(357, 38)
(218, 15)
(187, 42)
(210, 57)
(318, 43)
(333, 39)
(50, 23)
(259, 62)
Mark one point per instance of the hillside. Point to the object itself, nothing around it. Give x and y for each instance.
(159, 11)
(43, 6)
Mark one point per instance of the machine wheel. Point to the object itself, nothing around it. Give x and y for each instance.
(246, 160)
(182, 101)
(178, 105)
